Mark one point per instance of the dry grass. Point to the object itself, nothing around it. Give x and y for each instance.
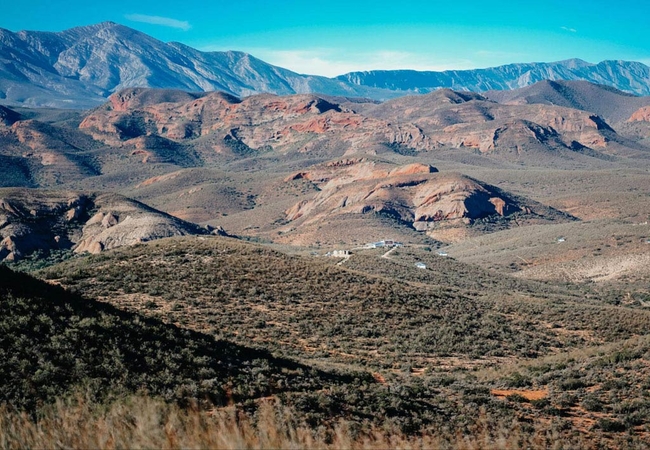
(143, 422)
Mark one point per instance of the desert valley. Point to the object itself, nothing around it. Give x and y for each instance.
(229, 254)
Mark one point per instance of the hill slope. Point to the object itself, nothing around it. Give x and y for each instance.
(313, 309)
(611, 104)
(45, 221)
(53, 342)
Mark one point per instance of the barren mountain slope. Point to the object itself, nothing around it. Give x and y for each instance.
(71, 69)
(80, 67)
(45, 221)
(607, 102)
(468, 120)
(43, 153)
(446, 206)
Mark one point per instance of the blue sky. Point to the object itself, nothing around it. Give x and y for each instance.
(336, 36)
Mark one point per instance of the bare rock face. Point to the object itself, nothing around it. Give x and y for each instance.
(453, 120)
(285, 124)
(641, 115)
(414, 195)
(35, 220)
(8, 249)
(109, 220)
(127, 222)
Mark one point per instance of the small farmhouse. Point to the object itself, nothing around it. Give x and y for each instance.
(385, 243)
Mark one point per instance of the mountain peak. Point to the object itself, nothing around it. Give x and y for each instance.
(575, 63)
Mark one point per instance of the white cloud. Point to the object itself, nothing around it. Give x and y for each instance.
(572, 30)
(333, 62)
(158, 20)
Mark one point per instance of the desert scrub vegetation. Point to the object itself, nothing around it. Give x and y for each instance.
(251, 294)
(602, 387)
(53, 341)
(446, 271)
(307, 308)
(39, 260)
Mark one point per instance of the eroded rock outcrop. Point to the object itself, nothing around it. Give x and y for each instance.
(36, 220)
(641, 115)
(265, 121)
(415, 195)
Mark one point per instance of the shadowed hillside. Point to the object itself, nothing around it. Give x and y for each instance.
(53, 342)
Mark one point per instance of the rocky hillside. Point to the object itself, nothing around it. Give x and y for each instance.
(150, 123)
(641, 115)
(611, 104)
(217, 123)
(442, 205)
(213, 158)
(535, 133)
(46, 221)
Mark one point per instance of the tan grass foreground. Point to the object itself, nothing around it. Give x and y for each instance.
(143, 422)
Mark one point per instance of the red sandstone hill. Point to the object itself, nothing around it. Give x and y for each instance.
(453, 119)
(217, 123)
(641, 115)
(443, 205)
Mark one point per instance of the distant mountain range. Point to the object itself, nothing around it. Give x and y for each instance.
(628, 76)
(81, 67)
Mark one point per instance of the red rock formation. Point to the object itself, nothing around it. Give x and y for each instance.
(641, 115)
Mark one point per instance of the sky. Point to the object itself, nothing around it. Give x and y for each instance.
(337, 36)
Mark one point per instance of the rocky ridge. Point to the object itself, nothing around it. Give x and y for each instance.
(80, 67)
(221, 123)
(218, 124)
(37, 220)
(415, 195)
(613, 105)
(628, 76)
